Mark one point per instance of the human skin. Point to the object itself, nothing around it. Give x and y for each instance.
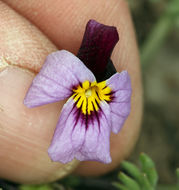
(29, 31)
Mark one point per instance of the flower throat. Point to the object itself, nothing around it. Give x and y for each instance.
(89, 95)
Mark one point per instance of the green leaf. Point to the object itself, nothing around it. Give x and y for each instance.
(148, 167)
(128, 182)
(120, 186)
(132, 170)
(146, 184)
(35, 187)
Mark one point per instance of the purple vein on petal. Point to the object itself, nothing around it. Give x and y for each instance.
(73, 139)
(97, 45)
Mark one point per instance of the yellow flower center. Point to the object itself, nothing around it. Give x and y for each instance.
(89, 95)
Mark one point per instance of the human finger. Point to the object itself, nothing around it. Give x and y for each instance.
(64, 23)
(25, 134)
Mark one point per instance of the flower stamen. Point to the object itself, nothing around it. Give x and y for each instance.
(89, 95)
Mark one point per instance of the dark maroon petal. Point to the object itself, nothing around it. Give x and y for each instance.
(107, 73)
(97, 45)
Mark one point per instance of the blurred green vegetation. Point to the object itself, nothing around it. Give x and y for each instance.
(157, 30)
(144, 178)
(130, 177)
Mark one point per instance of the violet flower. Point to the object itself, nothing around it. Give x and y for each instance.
(93, 109)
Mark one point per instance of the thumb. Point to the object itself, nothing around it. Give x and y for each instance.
(25, 134)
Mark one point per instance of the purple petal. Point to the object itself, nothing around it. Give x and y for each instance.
(64, 145)
(96, 146)
(97, 45)
(120, 105)
(60, 73)
(80, 137)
